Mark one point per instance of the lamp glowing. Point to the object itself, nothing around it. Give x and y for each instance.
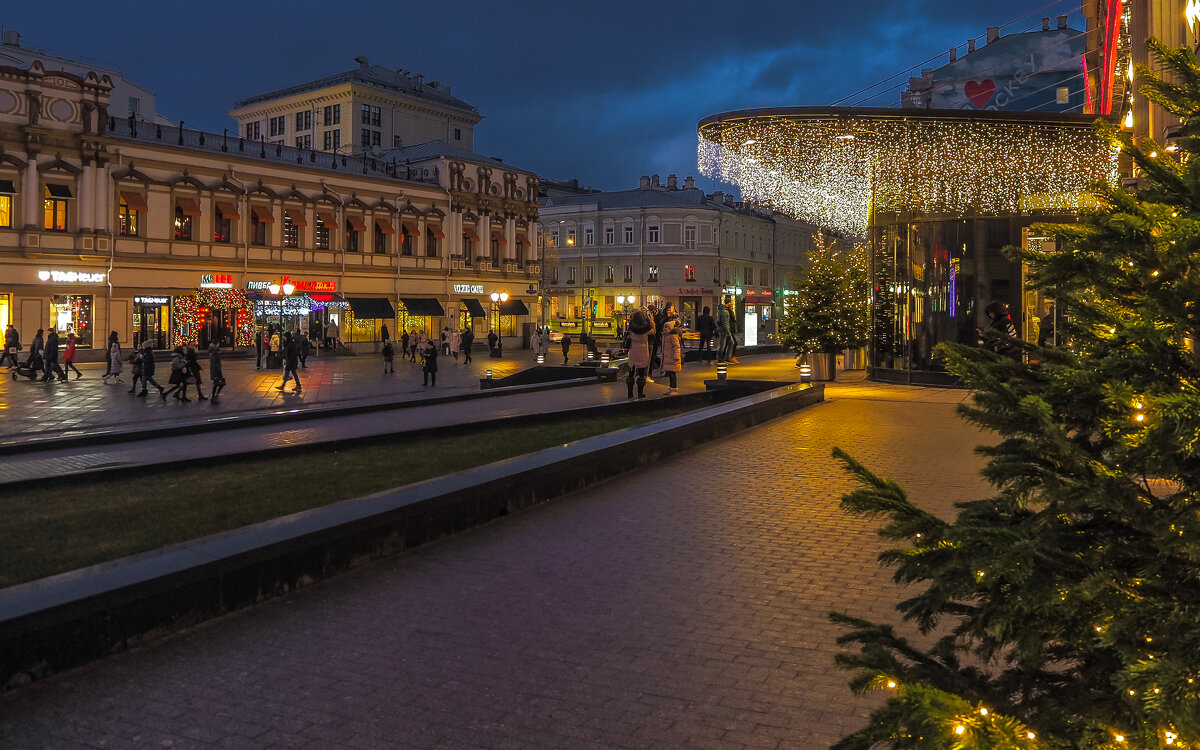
(495, 296)
(273, 289)
(289, 288)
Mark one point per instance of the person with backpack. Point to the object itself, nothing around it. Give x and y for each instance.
(177, 382)
(135, 366)
(148, 367)
(50, 358)
(12, 346)
(193, 370)
(291, 361)
(388, 355)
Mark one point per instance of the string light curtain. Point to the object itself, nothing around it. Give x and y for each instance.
(829, 168)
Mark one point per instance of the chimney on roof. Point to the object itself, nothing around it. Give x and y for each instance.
(654, 180)
(993, 34)
(672, 182)
(718, 196)
(362, 61)
(1046, 24)
(953, 54)
(729, 200)
(1062, 22)
(644, 182)
(11, 38)
(970, 46)
(420, 79)
(689, 183)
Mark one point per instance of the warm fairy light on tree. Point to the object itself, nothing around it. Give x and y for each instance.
(829, 169)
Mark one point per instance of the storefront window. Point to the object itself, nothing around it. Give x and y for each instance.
(6, 210)
(72, 313)
(151, 320)
(6, 316)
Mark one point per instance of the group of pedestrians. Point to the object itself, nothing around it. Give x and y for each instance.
(43, 355)
(718, 334)
(654, 337)
(185, 370)
(416, 347)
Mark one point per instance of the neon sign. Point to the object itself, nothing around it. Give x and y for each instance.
(468, 288)
(72, 277)
(216, 281)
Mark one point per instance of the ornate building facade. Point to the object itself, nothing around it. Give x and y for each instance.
(111, 224)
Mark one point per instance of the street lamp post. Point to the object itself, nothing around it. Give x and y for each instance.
(497, 298)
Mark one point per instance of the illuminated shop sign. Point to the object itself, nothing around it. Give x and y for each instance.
(468, 288)
(298, 285)
(152, 301)
(216, 281)
(72, 277)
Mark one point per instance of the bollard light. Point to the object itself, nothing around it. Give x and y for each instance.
(489, 374)
(604, 359)
(591, 356)
(722, 371)
(805, 373)
(541, 359)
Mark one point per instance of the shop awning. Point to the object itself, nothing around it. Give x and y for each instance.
(356, 223)
(135, 201)
(471, 235)
(409, 228)
(513, 307)
(385, 226)
(187, 206)
(58, 191)
(6, 187)
(371, 308)
(474, 308)
(296, 215)
(525, 242)
(499, 238)
(328, 219)
(436, 231)
(262, 214)
(423, 307)
(228, 210)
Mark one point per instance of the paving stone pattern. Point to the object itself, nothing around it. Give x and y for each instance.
(683, 606)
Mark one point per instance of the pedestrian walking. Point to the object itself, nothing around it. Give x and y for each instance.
(672, 348)
(148, 367)
(721, 332)
(492, 338)
(291, 361)
(50, 358)
(12, 346)
(384, 334)
(429, 368)
(193, 371)
(69, 356)
(418, 348)
(638, 343)
(215, 373)
(446, 340)
(135, 367)
(705, 325)
(303, 344)
(112, 352)
(276, 350)
(468, 340)
(455, 344)
(36, 350)
(404, 344)
(566, 347)
(388, 354)
(260, 341)
(177, 382)
(544, 342)
(731, 336)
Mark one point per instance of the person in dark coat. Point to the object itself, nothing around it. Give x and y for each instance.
(12, 345)
(36, 348)
(384, 334)
(148, 368)
(135, 366)
(468, 338)
(215, 373)
(178, 380)
(50, 358)
(705, 326)
(492, 338)
(193, 370)
(388, 355)
(291, 362)
(566, 347)
(429, 369)
(303, 344)
(1002, 323)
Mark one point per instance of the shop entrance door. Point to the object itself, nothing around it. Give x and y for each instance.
(217, 326)
(150, 323)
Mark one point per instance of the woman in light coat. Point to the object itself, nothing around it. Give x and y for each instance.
(115, 364)
(640, 329)
(455, 343)
(672, 348)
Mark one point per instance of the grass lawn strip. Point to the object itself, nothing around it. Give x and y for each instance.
(65, 524)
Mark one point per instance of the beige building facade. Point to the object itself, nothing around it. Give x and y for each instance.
(190, 237)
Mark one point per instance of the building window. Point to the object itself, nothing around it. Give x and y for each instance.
(457, 134)
(333, 140)
(610, 274)
(609, 236)
(304, 141)
(291, 232)
(380, 239)
(554, 237)
(396, 143)
(728, 276)
(135, 105)
(589, 236)
(55, 205)
(258, 230)
(304, 120)
(570, 274)
(689, 238)
(652, 273)
(628, 274)
(554, 275)
(571, 238)
(6, 210)
(222, 226)
(748, 276)
(689, 272)
(653, 234)
(762, 277)
(352, 240)
(431, 243)
(127, 219)
(364, 137)
(371, 115)
(628, 234)
(322, 234)
(376, 137)
(407, 241)
(333, 115)
(1062, 95)
(253, 130)
(276, 125)
(587, 274)
(183, 224)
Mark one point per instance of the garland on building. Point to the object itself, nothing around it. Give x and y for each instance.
(1066, 604)
(828, 307)
(187, 317)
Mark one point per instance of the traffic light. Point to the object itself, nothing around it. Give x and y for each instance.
(594, 305)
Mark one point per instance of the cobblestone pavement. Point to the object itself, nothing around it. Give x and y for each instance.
(683, 606)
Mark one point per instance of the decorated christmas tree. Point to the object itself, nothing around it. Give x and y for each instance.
(829, 308)
(1064, 611)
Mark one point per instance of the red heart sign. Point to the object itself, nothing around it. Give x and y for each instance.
(980, 92)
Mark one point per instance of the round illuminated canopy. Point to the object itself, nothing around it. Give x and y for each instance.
(831, 166)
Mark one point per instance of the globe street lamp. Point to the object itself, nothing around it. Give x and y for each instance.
(497, 298)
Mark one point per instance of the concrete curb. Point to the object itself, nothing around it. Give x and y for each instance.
(63, 621)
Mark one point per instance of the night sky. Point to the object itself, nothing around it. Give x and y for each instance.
(600, 91)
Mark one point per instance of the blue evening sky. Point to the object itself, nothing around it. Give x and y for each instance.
(601, 91)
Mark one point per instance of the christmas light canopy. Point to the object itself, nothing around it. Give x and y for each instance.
(830, 166)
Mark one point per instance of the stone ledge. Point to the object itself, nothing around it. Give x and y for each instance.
(57, 623)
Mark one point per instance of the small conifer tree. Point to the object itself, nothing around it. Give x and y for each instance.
(831, 307)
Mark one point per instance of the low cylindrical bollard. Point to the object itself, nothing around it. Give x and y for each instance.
(541, 359)
(806, 373)
(489, 374)
(722, 372)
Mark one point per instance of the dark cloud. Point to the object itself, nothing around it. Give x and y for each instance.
(602, 91)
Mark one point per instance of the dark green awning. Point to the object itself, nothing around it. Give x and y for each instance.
(423, 307)
(513, 307)
(371, 308)
(474, 308)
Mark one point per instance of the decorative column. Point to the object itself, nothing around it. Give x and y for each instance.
(87, 197)
(32, 192)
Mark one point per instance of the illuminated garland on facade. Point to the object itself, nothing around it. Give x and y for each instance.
(187, 316)
(828, 170)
